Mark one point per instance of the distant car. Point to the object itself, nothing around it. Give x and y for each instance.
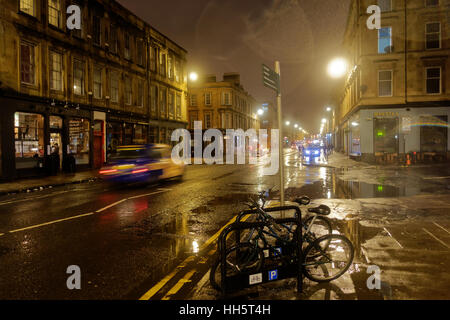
(141, 163)
(312, 151)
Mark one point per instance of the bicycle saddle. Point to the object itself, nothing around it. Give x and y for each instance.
(303, 201)
(322, 210)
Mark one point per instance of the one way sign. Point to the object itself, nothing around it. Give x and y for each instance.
(270, 78)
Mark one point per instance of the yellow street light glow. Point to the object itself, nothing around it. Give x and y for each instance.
(288, 123)
(324, 120)
(337, 68)
(193, 76)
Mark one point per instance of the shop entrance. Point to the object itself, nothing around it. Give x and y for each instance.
(56, 148)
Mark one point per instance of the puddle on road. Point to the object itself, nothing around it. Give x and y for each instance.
(330, 186)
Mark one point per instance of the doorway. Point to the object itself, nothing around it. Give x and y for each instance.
(56, 147)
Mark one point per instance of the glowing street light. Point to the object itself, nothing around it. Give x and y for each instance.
(324, 120)
(288, 123)
(260, 112)
(329, 109)
(193, 76)
(337, 68)
(296, 126)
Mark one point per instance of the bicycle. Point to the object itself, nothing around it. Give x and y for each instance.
(249, 256)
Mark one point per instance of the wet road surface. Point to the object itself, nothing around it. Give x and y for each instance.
(158, 240)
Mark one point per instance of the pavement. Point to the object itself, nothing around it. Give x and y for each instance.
(41, 183)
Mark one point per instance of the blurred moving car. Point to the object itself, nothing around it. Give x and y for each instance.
(312, 150)
(141, 163)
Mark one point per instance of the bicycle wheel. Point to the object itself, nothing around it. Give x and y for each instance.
(321, 227)
(243, 257)
(327, 258)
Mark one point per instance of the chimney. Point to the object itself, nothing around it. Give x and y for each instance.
(232, 77)
(210, 78)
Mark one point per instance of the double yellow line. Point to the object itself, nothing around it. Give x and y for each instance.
(150, 293)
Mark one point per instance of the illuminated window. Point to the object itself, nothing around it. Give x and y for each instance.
(208, 100)
(54, 13)
(79, 130)
(171, 103)
(162, 101)
(193, 100)
(55, 71)
(385, 40)
(28, 7)
(178, 105)
(78, 77)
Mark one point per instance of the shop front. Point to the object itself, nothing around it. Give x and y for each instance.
(40, 139)
(398, 134)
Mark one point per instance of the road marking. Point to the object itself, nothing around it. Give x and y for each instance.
(150, 293)
(32, 198)
(81, 215)
(393, 238)
(436, 238)
(438, 225)
(52, 222)
(179, 285)
(148, 194)
(111, 205)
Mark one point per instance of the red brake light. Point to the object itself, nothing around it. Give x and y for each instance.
(107, 171)
(139, 171)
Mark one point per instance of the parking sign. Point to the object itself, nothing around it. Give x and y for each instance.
(273, 275)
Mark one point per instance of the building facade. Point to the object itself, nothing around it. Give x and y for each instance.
(222, 104)
(80, 93)
(396, 100)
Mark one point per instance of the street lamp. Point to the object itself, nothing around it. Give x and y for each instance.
(324, 120)
(296, 126)
(260, 112)
(329, 109)
(288, 123)
(193, 76)
(337, 68)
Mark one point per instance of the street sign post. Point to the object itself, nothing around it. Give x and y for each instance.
(271, 79)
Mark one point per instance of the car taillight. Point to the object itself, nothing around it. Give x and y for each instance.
(139, 171)
(107, 171)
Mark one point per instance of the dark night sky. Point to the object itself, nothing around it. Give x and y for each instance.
(239, 35)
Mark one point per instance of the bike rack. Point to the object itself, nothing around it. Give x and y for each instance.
(275, 267)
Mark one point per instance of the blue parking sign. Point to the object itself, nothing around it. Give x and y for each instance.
(273, 275)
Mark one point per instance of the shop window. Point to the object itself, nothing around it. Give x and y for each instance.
(114, 136)
(433, 134)
(386, 135)
(29, 139)
(140, 134)
(128, 134)
(55, 122)
(79, 132)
